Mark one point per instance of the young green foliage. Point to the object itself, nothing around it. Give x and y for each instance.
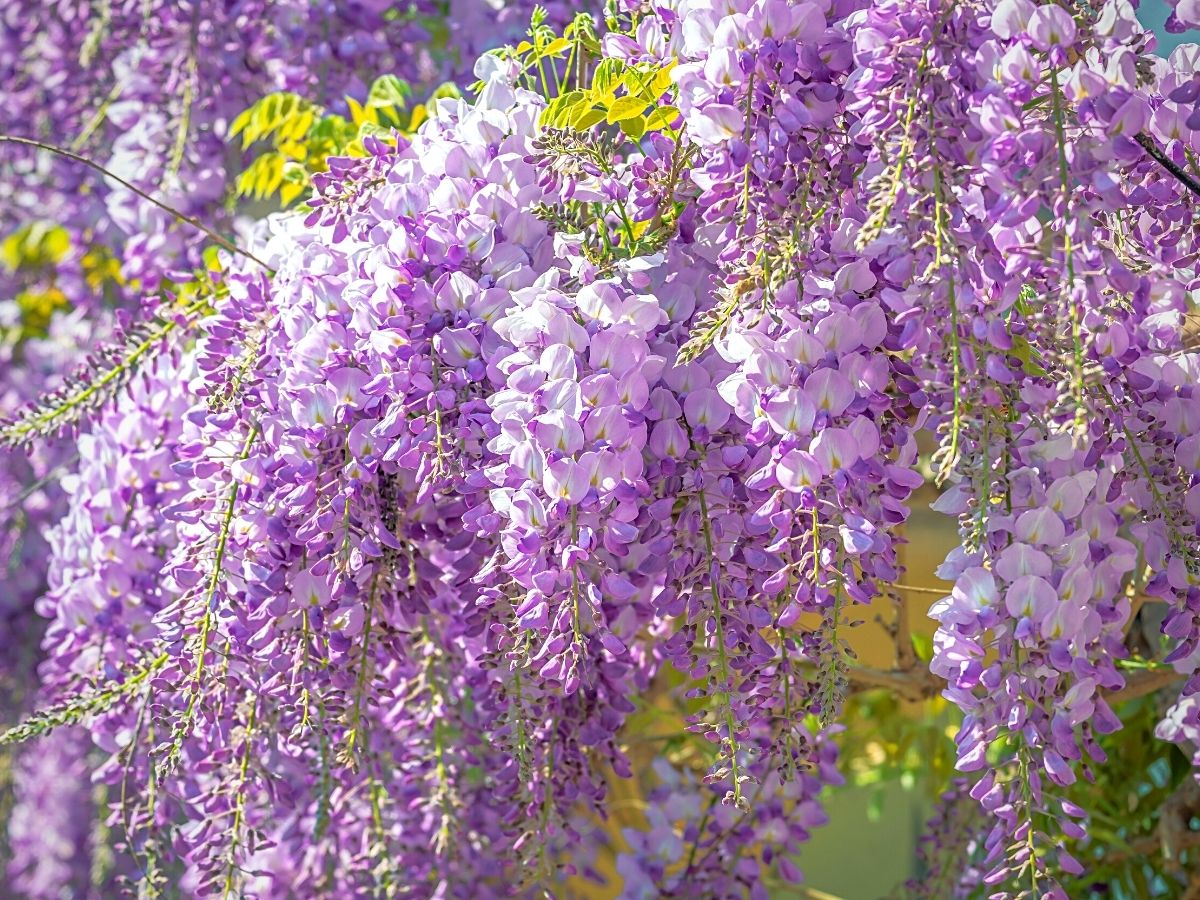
(302, 135)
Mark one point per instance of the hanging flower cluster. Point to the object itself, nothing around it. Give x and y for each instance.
(616, 381)
(150, 89)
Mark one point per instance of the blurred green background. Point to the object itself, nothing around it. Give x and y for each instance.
(869, 845)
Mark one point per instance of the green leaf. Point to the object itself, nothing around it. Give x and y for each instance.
(634, 127)
(387, 101)
(587, 119)
(661, 118)
(1025, 299)
(1023, 351)
(333, 128)
(389, 91)
(875, 806)
(607, 77)
(555, 48)
(922, 645)
(625, 108)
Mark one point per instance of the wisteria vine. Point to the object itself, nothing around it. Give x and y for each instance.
(611, 385)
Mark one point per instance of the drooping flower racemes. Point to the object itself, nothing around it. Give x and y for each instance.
(606, 393)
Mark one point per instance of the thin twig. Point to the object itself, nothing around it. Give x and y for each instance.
(1147, 144)
(1143, 683)
(912, 684)
(940, 592)
(918, 683)
(181, 216)
(49, 478)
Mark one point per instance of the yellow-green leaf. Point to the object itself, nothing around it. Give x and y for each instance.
(639, 83)
(36, 245)
(447, 89)
(662, 80)
(370, 129)
(661, 118)
(296, 151)
(587, 118)
(281, 116)
(241, 121)
(555, 47)
(358, 113)
(625, 108)
(563, 109)
(607, 77)
(212, 258)
(388, 90)
(297, 128)
(419, 115)
(634, 127)
(262, 177)
(295, 183)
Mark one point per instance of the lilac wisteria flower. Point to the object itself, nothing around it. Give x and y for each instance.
(597, 406)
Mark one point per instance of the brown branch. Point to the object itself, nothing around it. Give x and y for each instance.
(911, 684)
(1151, 844)
(1142, 683)
(1147, 144)
(918, 683)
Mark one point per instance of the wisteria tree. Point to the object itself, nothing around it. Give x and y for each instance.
(416, 441)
